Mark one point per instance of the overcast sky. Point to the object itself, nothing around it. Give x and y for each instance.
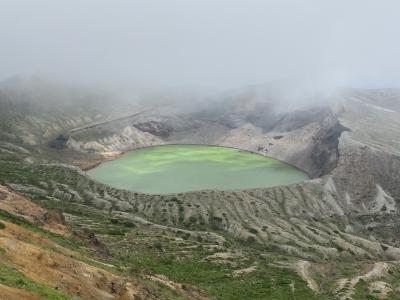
(219, 43)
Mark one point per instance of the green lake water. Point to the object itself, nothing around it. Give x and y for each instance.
(181, 168)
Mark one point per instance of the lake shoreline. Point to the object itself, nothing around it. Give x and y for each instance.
(174, 168)
(89, 164)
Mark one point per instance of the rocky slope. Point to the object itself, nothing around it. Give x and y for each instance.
(41, 258)
(338, 231)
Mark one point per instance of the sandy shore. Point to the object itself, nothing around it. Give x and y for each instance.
(86, 165)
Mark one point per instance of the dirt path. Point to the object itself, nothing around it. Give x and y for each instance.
(303, 268)
(379, 269)
(92, 125)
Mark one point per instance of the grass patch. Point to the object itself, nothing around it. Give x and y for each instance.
(265, 283)
(13, 278)
(70, 243)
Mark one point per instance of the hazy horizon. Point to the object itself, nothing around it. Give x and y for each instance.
(214, 44)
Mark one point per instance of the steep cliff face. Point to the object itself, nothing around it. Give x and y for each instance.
(325, 153)
(368, 154)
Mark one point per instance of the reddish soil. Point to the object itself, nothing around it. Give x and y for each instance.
(88, 164)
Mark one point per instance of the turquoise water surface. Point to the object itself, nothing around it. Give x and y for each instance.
(181, 168)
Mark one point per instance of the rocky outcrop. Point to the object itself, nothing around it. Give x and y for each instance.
(325, 153)
(153, 127)
(60, 142)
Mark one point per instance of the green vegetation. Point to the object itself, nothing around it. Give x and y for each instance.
(13, 278)
(71, 242)
(265, 283)
(361, 291)
(140, 247)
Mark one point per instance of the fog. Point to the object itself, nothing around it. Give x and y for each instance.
(213, 44)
